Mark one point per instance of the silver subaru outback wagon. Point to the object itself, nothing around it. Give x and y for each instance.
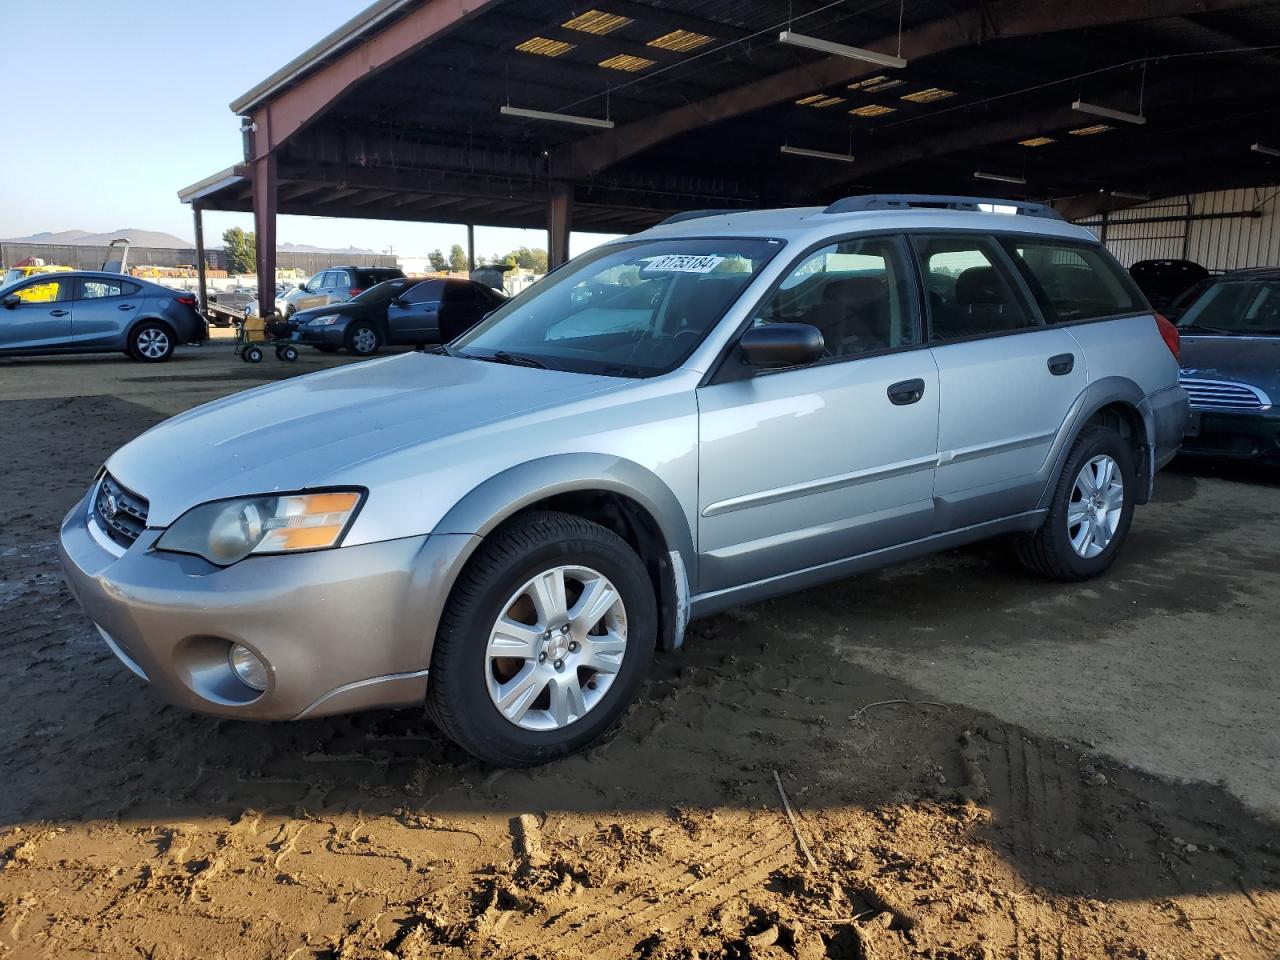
(726, 407)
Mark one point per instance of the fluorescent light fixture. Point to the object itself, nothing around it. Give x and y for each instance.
(1125, 194)
(509, 111)
(1081, 107)
(1001, 177)
(840, 49)
(816, 154)
(1264, 149)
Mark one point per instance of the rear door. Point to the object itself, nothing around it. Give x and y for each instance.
(414, 315)
(105, 308)
(41, 319)
(1007, 380)
(463, 307)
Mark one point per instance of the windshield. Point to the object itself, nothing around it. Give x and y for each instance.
(383, 292)
(631, 310)
(11, 276)
(1236, 307)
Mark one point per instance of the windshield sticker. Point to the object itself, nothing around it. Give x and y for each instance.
(683, 263)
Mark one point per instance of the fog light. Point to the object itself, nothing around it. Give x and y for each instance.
(248, 667)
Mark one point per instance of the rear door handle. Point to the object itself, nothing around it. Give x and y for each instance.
(58, 313)
(1062, 364)
(905, 391)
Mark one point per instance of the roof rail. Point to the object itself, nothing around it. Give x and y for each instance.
(698, 214)
(905, 201)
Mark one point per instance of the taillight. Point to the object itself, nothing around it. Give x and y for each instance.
(187, 300)
(1169, 333)
(356, 291)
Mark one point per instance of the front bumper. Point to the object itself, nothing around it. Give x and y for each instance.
(332, 335)
(1237, 436)
(341, 630)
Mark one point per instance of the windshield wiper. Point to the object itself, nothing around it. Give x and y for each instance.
(518, 359)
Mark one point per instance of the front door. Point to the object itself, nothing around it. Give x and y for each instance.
(1008, 380)
(40, 319)
(414, 315)
(803, 467)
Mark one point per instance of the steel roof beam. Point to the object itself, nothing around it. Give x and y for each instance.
(1000, 19)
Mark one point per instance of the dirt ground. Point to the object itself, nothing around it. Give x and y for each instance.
(980, 765)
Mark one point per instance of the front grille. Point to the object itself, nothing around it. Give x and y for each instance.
(1224, 395)
(121, 513)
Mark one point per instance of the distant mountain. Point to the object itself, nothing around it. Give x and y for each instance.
(308, 248)
(83, 238)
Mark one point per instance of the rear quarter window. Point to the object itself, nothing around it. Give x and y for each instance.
(1073, 282)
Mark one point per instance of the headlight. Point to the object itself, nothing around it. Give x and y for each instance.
(227, 531)
(328, 320)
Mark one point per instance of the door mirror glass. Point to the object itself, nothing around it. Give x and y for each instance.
(776, 345)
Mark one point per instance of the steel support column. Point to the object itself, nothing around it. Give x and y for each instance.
(471, 248)
(202, 287)
(264, 225)
(559, 215)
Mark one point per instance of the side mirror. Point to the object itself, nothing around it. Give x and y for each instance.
(11, 301)
(781, 345)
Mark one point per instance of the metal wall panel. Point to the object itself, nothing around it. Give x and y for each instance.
(90, 257)
(1169, 229)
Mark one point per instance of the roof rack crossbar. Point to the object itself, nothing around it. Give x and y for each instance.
(684, 215)
(906, 201)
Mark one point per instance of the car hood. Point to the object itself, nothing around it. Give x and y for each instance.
(1251, 360)
(348, 309)
(301, 432)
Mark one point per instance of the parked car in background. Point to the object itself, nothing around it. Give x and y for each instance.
(1163, 281)
(335, 285)
(96, 312)
(401, 311)
(1231, 366)
(508, 527)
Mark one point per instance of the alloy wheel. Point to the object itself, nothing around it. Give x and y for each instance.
(152, 343)
(365, 340)
(1097, 501)
(556, 648)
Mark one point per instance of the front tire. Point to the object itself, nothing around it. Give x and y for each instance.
(363, 339)
(151, 342)
(546, 638)
(1091, 511)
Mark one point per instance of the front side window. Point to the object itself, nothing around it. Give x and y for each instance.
(969, 290)
(382, 293)
(426, 292)
(44, 291)
(857, 293)
(1073, 282)
(633, 309)
(1235, 307)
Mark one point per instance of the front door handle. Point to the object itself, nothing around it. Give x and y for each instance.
(127, 306)
(1062, 364)
(58, 313)
(905, 391)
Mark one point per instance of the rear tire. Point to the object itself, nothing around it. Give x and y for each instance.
(1091, 510)
(561, 678)
(151, 342)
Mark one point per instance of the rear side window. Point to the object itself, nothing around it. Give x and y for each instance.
(970, 290)
(1073, 281)
(460, 292)
(96, 289)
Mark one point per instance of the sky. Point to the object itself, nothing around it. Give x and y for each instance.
(112, 107)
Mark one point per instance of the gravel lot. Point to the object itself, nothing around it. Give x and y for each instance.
(981, 765)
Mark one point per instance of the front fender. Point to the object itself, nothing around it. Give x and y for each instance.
(515, 488)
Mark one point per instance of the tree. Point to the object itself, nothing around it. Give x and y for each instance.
(457, 258)
(241, 249)
(437, 260)
(528, 259)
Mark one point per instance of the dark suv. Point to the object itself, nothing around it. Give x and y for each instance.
(337, 285)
